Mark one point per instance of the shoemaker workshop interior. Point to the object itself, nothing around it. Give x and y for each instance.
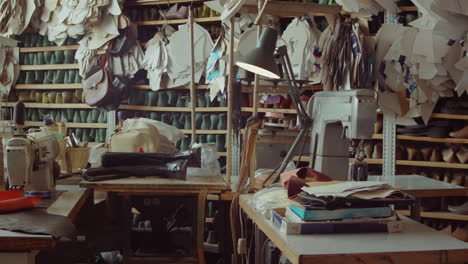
(234, 131)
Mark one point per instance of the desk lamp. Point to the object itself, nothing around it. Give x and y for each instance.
(262, 60)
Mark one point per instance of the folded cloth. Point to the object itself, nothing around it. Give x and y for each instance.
(13, 200)
(294, 180)
(37, 221)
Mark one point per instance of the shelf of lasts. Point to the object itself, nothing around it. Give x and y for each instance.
(213, 248)
(49, 48)
(52, 106)
(69, 124)
(177, 21)
(426, 139)
(432, 164)
(438, 215)
(80, 86)
(49, 67)
(161, 2)
(202, 132)
(264, 110)
(172, 109)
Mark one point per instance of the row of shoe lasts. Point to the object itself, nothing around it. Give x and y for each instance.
(461, 133)
(453, 177)
(36, 40)
(67, 115)
(219, 140)
(55, 97)
(211, 237)
(48, 57)
(458, 231)
(50, 77)
(171, 98)
(455, 153)
(89, 134)
(140, 223)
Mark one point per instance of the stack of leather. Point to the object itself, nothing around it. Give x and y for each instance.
(15, 16)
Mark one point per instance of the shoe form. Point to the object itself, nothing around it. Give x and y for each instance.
(450, 154)
(436, 155)
(77, 117)
(69, 56)
(175, 121)
(462, 154)
(155, 116)
(38, 98)
(78, 78)
(152, 98)
(211, 138)
(70, 77)
(188, 121)
(70, 114)
(378, 126)
(23, 96)
(214, 119)
(67, 97)
(185, 143)
(59, 98)
(220, 143)
(59, 77)
(102, 134)
(201, 139)
(166, 118)
(222, 122)
(412, 152)
(426, 153)
(92, 135)
(377, 153)
(462, 133)
(40, 58)
(39, 77)
(93, 116)
(368, 149)
(198, 120)
(48, 57)
(162, 99)
(29, 77)
(436, 175)
(201, 100)
(206, 122)
(180, 101)
(447, 176)
(171, 97)
(458, 178)
(59, 56)
(49, 77)
(52, 97)
(85, 135)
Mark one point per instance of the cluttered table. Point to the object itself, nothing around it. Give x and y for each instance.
(16, 247)
(416, 243)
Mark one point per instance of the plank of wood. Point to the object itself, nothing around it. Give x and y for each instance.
(263, 110)
(449, 116)
(69, 203)
(160, 2)
(278, 89)
(147, 87)
(48, 86)
(50, 48)
(69, 125)
(177, 21)
(437, 215)
(426, 139)
(55, 106)
(48, 67)
(292, 9)
(199, 131)
(408, 8)
(155, 183)
(13, 241)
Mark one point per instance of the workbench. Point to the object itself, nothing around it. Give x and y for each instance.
(21, 248)
(121, 190)
(417, 243)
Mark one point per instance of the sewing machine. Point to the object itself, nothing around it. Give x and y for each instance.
(339, 117)
(30, 159)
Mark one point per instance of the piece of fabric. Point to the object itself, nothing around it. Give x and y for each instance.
(37, 221)
(294, 180)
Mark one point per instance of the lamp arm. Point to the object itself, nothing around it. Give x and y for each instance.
(305, 122)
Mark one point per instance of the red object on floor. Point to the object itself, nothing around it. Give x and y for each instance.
(13, 200)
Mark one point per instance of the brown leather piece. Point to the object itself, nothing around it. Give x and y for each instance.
(37, 221)
(294, 180)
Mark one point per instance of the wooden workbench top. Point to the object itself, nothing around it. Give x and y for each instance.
(215, 183)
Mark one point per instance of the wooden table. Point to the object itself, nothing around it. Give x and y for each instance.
(120, 190)
(417, 243)
(22, 248)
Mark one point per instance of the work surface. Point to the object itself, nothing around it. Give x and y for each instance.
(67, 204)
(421, 186)
(417, 243)
(156, 183)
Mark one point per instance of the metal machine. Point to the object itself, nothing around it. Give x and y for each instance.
(30, 158)
(339, 117)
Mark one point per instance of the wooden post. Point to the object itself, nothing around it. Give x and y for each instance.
(193, 92)
(230, 102)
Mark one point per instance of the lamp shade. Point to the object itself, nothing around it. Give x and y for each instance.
(261, 60)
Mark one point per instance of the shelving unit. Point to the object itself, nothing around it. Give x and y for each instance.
(438, 215)
(49, 67)
(177, 21)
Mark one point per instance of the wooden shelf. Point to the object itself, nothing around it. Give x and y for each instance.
(279, 89)
(161, 2)
(147, 87)
(221, 154)
(199, 131)
(426, 139)
(303, 158)
(408, 8)
(56, 106)
(49, 67)
(177, 21)
(69, 125)
(172, 109)
(209, 220)
(48, 86)
(449, 116)
(438, 215)
(264, 110)
(293, 9)
(420, 163)
(50, 48)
